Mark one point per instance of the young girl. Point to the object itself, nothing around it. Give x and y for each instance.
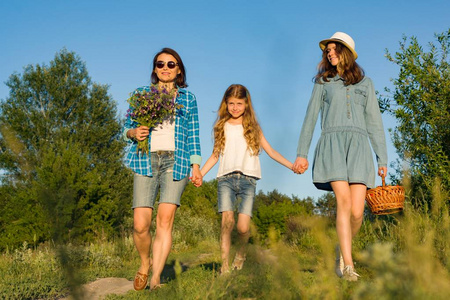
(237, 142)
(343, 161)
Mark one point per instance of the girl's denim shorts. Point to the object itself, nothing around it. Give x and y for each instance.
(146, 188)
(234, 186)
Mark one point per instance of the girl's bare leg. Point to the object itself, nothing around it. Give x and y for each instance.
(342, 192)
(225, 239)
(243, 228)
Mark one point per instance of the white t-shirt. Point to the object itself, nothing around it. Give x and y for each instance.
(236, 155)
(163, 136)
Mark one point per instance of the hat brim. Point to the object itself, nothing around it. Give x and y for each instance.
(323, 45)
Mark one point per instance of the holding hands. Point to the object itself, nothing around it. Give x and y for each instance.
(197, 178)
(300, 165)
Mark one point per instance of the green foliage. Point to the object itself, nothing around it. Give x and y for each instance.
(420, 102)
(201, 201)
(61, 156)
(274, 209)
(404, 256)
(191, 229)
(326, 206)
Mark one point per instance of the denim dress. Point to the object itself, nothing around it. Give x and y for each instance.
(350, 117)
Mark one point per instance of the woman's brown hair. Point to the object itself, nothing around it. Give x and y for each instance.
(347, 67)
(180, 81)
(252, 130)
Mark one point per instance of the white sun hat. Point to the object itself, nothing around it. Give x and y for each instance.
(342, 38)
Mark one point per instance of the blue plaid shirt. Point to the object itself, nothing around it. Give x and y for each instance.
(187, 139)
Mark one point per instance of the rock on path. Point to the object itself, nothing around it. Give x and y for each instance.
(104, 286)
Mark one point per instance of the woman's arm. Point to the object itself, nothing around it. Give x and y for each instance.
(309, 123)
(375, 130)
(193, 138)
(274, 154)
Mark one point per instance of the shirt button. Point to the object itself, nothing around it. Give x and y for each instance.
(348, 96)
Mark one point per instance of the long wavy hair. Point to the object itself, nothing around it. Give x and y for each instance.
(252, 130)
(347, 67)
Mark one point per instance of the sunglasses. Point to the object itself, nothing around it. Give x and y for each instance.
(170, 64)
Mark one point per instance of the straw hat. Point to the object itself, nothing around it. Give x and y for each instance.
(342, 38)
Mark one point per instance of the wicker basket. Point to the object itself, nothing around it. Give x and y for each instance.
(384, 200)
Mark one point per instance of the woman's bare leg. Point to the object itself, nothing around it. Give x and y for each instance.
(163, 240)
(142, 219)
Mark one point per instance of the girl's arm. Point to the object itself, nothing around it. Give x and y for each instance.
(274, 154)
(198, 181)
(212, 160)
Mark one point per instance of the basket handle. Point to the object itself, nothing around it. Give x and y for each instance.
(382, 179)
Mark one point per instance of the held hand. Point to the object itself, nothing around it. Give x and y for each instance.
(300, 165)
(139, 133)
(197, 178)
(382, 171)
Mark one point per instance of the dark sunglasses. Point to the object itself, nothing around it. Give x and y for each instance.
(170, 64)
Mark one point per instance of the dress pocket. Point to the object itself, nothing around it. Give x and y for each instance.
(360, 97)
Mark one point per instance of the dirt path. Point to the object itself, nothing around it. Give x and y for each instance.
(104, 286)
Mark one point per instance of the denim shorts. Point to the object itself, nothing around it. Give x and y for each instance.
(145, 188)
(232, 186)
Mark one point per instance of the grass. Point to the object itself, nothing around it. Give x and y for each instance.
(405, 256)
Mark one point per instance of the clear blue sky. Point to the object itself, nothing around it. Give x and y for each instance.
(269, 46)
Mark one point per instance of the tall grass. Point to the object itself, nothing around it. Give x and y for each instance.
(405, 256)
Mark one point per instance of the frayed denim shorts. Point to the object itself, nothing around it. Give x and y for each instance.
(146, 188)
(236, 185)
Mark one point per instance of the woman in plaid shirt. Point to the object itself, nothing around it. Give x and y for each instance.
(174, 148)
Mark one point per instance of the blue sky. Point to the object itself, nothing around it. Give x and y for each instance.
(269, 46)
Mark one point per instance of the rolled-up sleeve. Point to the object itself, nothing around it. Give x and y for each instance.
(194, 132)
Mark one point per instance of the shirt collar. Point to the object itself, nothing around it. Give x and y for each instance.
(337, 78)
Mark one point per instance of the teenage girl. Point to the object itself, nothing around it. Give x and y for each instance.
(238, 140)
(343, 161)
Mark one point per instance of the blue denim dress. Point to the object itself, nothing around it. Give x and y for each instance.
(350, 117)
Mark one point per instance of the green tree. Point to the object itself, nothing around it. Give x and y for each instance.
(420, 102)
(272, 210)
(201, 201)
(326, 206)
(61, 156)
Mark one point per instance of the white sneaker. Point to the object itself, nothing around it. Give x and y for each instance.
(339, 265)
(349, 274)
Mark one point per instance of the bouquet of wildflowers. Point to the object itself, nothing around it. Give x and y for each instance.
(149, 108)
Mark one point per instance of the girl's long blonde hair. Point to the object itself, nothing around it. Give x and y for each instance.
(252, 131)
